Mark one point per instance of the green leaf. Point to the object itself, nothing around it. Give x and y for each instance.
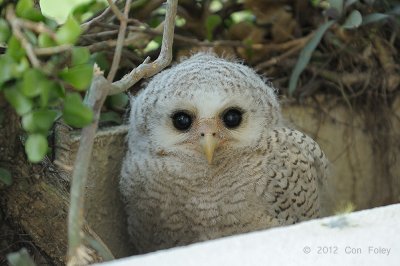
(5, 31)
(15, 49)
(51, 23)
(80, 55)
(337, 4)
(79, 76)
(26, 10)
(353, 21)
(118, 101)
(374, 17)
(51, 90)
(349, 3)
(45, 40)
(18, 69)
(315, 3)
(305, 55)
(101, 60)
(34, 15)
(39, 121)
(1, 117)
(20, 258)
(36, 147)
(249, 50)
(152, 45)
(111, 117)
(6, 68)
(75, 113)
(212, 22)
(5, 176)
(87, 10)
(31, 37)
(69, 32)
(244, 15)
(23, 7)
(32, 82)
(21, 104)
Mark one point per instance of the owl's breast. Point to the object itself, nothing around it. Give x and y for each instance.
(206, 203)
(177, 203)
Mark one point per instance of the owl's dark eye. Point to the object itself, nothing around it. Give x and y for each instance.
(182, 120)
(232, 118)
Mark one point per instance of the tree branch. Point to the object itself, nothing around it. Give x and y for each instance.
(146, 69)
(52, 50)
(96, 96)
(116, 11)
(99, 89)
(120, 41)
(85, 26)
(16, 28)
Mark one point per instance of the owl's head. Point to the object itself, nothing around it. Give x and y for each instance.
(205, 107)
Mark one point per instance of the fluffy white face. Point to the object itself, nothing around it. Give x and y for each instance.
(207, 109)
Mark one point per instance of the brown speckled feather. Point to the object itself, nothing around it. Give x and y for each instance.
(262, 175)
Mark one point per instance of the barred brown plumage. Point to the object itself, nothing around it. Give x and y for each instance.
(206, 180)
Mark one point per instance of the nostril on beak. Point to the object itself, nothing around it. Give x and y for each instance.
(213, 134)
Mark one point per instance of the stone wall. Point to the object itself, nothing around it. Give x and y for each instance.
(356, 176)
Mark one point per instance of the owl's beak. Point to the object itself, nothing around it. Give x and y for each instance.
(209, 143)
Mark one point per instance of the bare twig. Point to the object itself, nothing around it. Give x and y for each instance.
(120, 41)
(278, 47)
(101, 34)
(39, 27)
(16, 28)
(291, 51)
(116, 11)
(52, 50)
(85, 26)
(348, 79)
(165, 57)
(97, 94)
(143, 28)
(99, 89)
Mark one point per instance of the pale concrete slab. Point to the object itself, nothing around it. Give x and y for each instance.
(369, 237)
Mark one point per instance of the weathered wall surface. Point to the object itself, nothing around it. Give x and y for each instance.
(361, 174)
(364, 172)
(342, 134)
(104, 210)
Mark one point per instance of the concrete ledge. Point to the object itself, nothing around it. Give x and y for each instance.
(369, 237)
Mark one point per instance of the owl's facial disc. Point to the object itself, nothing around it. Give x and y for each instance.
(208, 126)
(209, 132)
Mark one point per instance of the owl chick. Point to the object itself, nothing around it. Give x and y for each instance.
(208, 156)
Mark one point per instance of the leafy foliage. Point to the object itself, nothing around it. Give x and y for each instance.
(5, 176)
(211, 23)
(63, 77)
(337, 9)
(20, 258)
(306, 53)
(43, 91)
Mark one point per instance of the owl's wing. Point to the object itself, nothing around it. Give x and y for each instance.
(297, 169)
(298, 146)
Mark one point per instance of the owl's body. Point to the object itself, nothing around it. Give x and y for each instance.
(257, 173)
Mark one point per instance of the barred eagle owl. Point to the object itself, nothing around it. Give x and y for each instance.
(209, 156)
